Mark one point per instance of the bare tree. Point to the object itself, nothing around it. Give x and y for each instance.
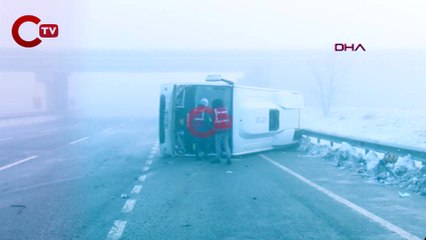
(327, 79)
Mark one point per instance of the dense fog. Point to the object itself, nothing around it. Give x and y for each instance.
(277, 44)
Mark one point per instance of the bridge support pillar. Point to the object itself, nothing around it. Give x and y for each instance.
(56, 91)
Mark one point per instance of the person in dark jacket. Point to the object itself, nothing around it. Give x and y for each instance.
(222, 126)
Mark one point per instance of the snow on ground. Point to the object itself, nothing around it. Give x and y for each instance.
(402, 172)
(9, 122)
(400, 126)
(404, 127)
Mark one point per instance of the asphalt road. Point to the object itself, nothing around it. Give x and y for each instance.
(93, 179)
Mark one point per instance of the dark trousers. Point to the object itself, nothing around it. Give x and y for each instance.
(201, 147)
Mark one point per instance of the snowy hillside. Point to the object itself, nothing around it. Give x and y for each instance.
(400, 126)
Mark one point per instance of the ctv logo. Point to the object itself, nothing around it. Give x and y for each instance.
(343, 47)
(45, 31)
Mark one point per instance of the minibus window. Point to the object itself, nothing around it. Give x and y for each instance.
(180, 96)
(274, 119)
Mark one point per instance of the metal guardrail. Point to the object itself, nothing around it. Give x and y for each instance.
(400, 150)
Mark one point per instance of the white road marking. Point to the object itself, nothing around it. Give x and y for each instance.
(106, 130)
(142, 178)
(18, 162)
(49, 130)
(79, 140)
(136, 189)
(31, 187)
(393, 228)
(128, 206)
(5, 139)
(116, 230)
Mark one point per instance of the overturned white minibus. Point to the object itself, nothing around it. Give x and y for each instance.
(263, 118)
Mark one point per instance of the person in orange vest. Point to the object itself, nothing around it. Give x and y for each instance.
(199, 123)
(222, 127)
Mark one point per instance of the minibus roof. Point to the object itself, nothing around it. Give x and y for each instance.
(235, 85)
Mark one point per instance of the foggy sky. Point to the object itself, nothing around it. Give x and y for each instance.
(224, 24)
(381, 26)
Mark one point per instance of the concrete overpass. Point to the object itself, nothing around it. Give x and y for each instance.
(53, 68)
